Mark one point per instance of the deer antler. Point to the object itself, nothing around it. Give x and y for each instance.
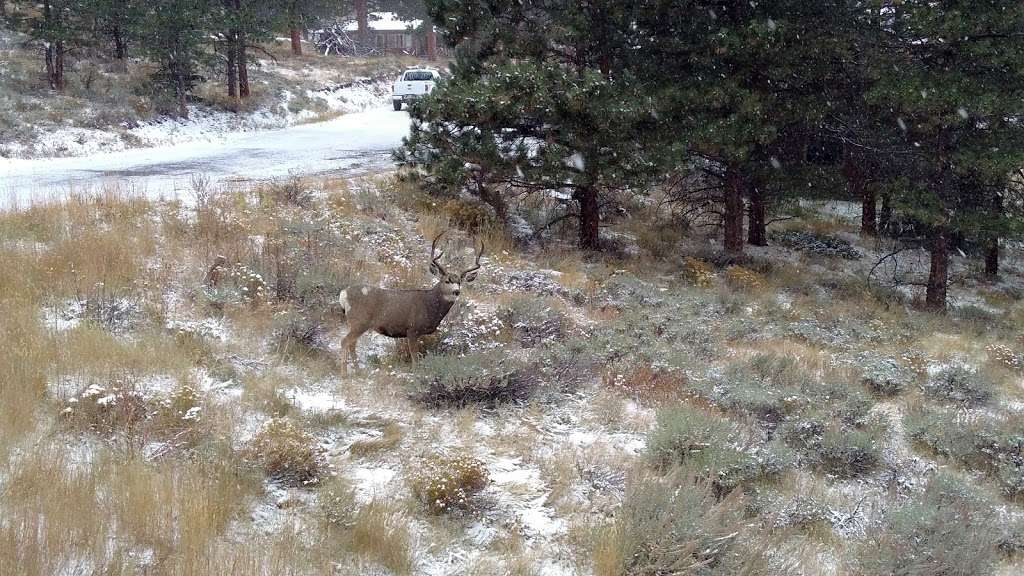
(476, 265)
(435, 260)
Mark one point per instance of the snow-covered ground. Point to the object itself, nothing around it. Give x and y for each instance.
(350, 144)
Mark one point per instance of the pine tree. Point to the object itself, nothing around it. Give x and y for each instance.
(953, 81)
(530, 109)
(57, 25)
(117, 20)
(175, 31)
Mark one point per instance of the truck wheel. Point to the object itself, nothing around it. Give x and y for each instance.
(398, 105)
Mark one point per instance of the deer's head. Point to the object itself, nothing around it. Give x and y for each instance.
(449, 284)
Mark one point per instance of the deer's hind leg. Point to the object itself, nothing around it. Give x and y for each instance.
(413, 342)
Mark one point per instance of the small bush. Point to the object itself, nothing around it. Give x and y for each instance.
(683, 432)
(740, 278)
(287, 453)
(959, 385)
(819, 244)
(444, 483)
(669, 525)
(698, 272)
(989, 445)
(534, 321)
(645, 383)
(945, 530)
(295, 333)
(487, 378)
(886, 377)
(831, 447)
(107, 409)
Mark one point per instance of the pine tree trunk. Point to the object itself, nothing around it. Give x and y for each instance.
(120, 50)
(733, 212)
(363, 25)
(50, 73)
(590, 218)
(992, 258)
(232, 70)
(296, 41)
(58, 67)
(868, 211)
(938, 276)
(857, 187)
(243, 68)
(757, 235)
(180, 89)
(431, 43)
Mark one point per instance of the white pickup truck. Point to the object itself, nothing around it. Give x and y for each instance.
(412, 84)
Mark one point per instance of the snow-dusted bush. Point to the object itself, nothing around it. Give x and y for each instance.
(534, 320)
(486, 378)
(886, 377)
(287, 453)
(989, 445)
(446, 483)
(108, 409)
(666, 524)
(294, 332)
(1005, 356)
(945, 530)
(819, 244)
(702, 442)
(960, 385)
(337, 501)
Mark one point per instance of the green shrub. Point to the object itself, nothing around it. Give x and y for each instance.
(832, 447)
(674, 524)
(944, 531)
(534, 320)
(443, 483)
(701, 441)
(683, 432)
(989, 445)
(886, 377)
(961, 386)
(487, 378)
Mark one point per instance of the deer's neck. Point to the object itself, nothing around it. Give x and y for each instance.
(439, 306)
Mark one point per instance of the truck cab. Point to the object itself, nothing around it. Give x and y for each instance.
(412, 84)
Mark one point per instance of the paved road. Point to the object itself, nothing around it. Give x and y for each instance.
(351, 144)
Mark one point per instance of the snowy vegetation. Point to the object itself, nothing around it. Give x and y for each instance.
(618, 414)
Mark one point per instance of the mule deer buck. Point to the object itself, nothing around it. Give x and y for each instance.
(405, 314)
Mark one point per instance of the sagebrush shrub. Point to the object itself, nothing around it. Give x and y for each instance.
(945, 530)
(820, 244)
(534, 320)
(834, 448)
(1004, 355)
(295, 333)
(446, 483)
(887, 377)
(961, 386)
(669, 525)
(683, 432)
(486, 378)
(287, 453)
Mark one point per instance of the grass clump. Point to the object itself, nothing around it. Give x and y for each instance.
(443, 483)
(945, 530)
(108, 409)
(834, 449)
(989, 445)
(958, 385)
(674, 524)
(287, 453)
(487, 378)
(337, 502)
(297, 334)
(380, 533)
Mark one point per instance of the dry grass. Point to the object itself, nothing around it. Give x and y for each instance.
(381, 534)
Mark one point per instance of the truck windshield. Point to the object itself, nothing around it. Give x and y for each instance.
(418, 76)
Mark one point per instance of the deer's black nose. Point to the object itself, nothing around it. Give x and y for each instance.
(456, 292)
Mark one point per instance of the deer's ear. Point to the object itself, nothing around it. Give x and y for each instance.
(469, 277)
